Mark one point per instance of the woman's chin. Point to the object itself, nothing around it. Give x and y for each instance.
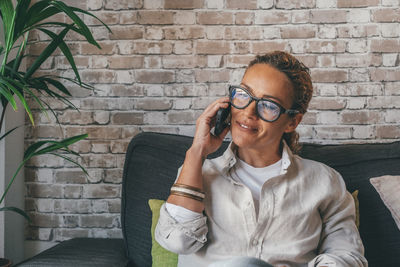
(243, 141)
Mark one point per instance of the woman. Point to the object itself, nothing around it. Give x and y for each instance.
(259, 199)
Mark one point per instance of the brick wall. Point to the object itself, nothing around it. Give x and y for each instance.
(168, 59)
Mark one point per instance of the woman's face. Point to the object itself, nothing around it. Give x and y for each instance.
(250, 131)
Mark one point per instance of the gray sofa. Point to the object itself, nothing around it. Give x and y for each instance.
(150, 168)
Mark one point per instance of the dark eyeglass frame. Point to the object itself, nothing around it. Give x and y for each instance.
(282, 110)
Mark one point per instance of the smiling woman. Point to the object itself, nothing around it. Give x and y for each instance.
(259, 199)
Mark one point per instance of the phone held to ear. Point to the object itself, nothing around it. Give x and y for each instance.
(221, 120)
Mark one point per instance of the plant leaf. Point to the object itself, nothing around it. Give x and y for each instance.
(20, 17)
(16, 88)
(72, 161)
(7, 15)
(7, 133)
(79, 23)
(90, 14)
(34, 149)
(20, 54)
(46, 52)
(66, 51)
(39, 11)
(42, 86)
(17, 210)
(57, 84)
(61, 144)
(7, 94)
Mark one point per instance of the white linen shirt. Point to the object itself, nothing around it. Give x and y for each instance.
(306, 218)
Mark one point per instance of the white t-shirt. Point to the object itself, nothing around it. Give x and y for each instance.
(254, 178)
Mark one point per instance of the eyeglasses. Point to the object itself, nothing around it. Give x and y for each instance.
(266, 109)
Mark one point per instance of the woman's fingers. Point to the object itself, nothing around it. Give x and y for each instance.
(203, 137)
(213, 108)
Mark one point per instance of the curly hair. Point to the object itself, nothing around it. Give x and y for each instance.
(299, 76)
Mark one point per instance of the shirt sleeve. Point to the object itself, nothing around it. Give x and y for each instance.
(181, 214)
(340, 243)
(181, 237)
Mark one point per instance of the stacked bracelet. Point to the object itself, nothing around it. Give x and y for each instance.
(187, 191)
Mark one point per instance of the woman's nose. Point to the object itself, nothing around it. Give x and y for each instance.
(250, 110)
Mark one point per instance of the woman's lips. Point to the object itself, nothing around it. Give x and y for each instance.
(246, 127)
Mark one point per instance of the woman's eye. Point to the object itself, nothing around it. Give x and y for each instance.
(270, 107)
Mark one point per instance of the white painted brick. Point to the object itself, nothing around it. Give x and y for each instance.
(357, 46)
(45, 205)
(358, 16)
(328, 117)
(155, 118)
(101, 117)
(44, 175)
(214, 61)
(359, 75)
(271, 32)
(236, 76)
(364, 131)
(327, 32)
(327, 89)
(217, 4)
(182, 103)
(392, 115)
(153, 4)
(298, 46)
(214, 32)
(394, 3)
(187, 130)
(154, 33)
(154, 90)
(265, 4)
(390, 29)
(44, 233)
(183, 47)
(356, 103)
(326, 4)
(185, 17)
(389, 60)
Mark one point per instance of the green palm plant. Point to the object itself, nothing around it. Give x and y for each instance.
(18, 21)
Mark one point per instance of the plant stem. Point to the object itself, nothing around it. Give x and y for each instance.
(3, 113)
(12, 180)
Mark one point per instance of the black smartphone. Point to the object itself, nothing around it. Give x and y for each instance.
(221, 120)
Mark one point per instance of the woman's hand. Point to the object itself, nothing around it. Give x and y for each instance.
(204, 141)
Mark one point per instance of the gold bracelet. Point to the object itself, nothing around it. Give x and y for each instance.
(188, 191)
(177, 193)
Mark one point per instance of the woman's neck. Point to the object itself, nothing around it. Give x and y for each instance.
(260, 158)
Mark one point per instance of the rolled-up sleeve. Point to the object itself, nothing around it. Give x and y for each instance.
(181, 238)
(340, 243)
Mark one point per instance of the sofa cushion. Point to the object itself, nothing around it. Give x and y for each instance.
(388, 188)
(160, 256)
(153, 159)
(82, 252)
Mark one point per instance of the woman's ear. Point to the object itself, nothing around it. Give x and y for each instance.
(294, 122)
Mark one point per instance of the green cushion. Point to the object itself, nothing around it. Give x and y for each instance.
(357, 204)
(160, 256)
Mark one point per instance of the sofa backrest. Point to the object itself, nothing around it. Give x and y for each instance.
(152, 161)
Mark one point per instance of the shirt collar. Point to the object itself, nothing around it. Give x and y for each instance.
(228, 159)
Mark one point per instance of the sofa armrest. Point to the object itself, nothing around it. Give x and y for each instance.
(83, 252)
